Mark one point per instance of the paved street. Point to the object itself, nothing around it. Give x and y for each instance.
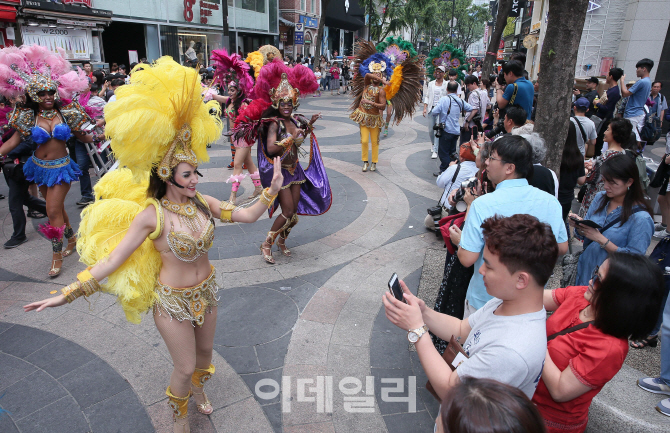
(82, 367)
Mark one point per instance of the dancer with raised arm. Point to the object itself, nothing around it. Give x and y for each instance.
(150, 233)
(282, 133)
(47, 119)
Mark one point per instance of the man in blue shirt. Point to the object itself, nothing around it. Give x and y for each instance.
(637, 94)
(513, 71)
(508, 167)
(449, 109)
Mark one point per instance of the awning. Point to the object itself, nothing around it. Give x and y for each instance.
(287, 22)
(7, 13)
(347, 15)
(56, 15)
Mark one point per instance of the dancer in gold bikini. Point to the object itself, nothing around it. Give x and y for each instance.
(149, 230)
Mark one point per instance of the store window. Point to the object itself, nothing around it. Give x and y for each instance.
(273, 17)
(196, 48)
(303, 5)
(313, 10)
(251, 5)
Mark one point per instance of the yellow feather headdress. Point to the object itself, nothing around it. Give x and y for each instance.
(160, 119)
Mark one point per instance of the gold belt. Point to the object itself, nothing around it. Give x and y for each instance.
(190, 303)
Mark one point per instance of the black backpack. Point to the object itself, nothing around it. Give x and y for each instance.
(651, 129)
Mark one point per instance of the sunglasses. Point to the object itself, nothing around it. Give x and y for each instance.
(595, 277)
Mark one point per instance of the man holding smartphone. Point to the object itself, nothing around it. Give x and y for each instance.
(506, 339)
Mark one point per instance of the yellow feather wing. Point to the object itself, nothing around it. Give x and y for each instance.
(104, 224)
(255, 59)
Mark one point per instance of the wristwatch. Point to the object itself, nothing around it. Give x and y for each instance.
(414, 334)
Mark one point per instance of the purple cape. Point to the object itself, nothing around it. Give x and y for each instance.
(315, 194)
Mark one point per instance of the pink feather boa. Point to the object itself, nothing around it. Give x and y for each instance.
(51, 232)
(232, 66)
(299, 76)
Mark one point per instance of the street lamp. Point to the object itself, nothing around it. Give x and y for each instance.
(451, 23)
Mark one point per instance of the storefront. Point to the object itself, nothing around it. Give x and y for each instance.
(253, 23)
(8, 11)
(73, 27)
(343, 19)
(186, 30)
(311, 30)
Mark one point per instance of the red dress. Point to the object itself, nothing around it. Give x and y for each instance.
(593, 356)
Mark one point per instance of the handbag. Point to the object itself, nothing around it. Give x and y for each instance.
(458, 220)
(450, 353)
(14, 170)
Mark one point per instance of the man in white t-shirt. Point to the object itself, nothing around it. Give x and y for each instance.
(453, 78)
(587, 126)
(506, 339)
(436, 89)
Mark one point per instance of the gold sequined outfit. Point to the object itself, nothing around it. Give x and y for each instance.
(190, 303)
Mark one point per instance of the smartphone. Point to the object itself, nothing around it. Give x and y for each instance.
(395, 289)
(474, 133)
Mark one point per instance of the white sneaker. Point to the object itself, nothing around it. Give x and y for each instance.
(660, 234)
(434, 155)
(659, 226)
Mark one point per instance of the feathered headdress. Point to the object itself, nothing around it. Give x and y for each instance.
(260, 58)
(32, 69)
(448, 56)
(232, 70)
(397, 49)
(404, 87)
(278, 82)
(160, 120)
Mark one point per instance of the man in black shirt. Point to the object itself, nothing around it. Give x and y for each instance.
(590, 94)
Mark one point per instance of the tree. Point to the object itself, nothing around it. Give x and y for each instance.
(565, 23)
(504, 7)
(469, 24)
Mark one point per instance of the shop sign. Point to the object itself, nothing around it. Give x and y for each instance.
(502, 44)
(536, 26)
(205, 6)
(76, 23)
(309, 22)
(299, 34)
(73, 41)
(508, 44)
(288, 50)
(82, 7)
(283, 36)
(517, 5)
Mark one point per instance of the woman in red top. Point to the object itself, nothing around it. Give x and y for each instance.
(622, 300)
(334, 79)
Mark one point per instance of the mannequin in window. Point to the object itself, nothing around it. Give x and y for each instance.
(190, 52)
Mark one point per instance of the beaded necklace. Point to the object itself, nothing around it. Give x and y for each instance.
(188, 213)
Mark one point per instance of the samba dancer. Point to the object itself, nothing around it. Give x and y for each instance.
(282, 133)
(48, 121)
(151, 233)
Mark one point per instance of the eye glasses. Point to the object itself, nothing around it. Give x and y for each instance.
(495, 159)
(595, 278)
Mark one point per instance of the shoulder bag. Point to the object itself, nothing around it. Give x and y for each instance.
(450, 353)
(569, 330)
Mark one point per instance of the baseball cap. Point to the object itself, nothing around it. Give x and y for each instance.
(593, 80)
(582, 103)
(442, 68)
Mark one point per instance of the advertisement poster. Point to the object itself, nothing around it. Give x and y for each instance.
(74, 42)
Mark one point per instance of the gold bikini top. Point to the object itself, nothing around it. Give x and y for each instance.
(183, 245)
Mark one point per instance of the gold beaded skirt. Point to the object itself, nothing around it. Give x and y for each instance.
(190, 303)
(365, 119)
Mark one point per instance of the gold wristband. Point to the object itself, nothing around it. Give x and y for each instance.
(286, 143)
(266, 198)
(227, 209)
(86, 285)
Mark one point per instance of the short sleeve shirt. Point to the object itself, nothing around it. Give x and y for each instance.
(509, 349)
(524, 95)
(593, 356)
(589, 129)
(640, 92)
(511, 197)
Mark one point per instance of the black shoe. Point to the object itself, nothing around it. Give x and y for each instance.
(13, 243)
(437, 173)
(85, 201)
(35, 214)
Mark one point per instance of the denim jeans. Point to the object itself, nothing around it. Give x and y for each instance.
(84, 162)
(665, 344)
(660, 316)
(446, 148)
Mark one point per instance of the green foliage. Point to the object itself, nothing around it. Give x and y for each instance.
(449, 56)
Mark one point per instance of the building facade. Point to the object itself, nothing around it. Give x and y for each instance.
(300, 41)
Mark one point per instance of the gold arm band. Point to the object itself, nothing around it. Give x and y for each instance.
(86, 285)
(286, 143)
(227, 209)
(267, 199)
